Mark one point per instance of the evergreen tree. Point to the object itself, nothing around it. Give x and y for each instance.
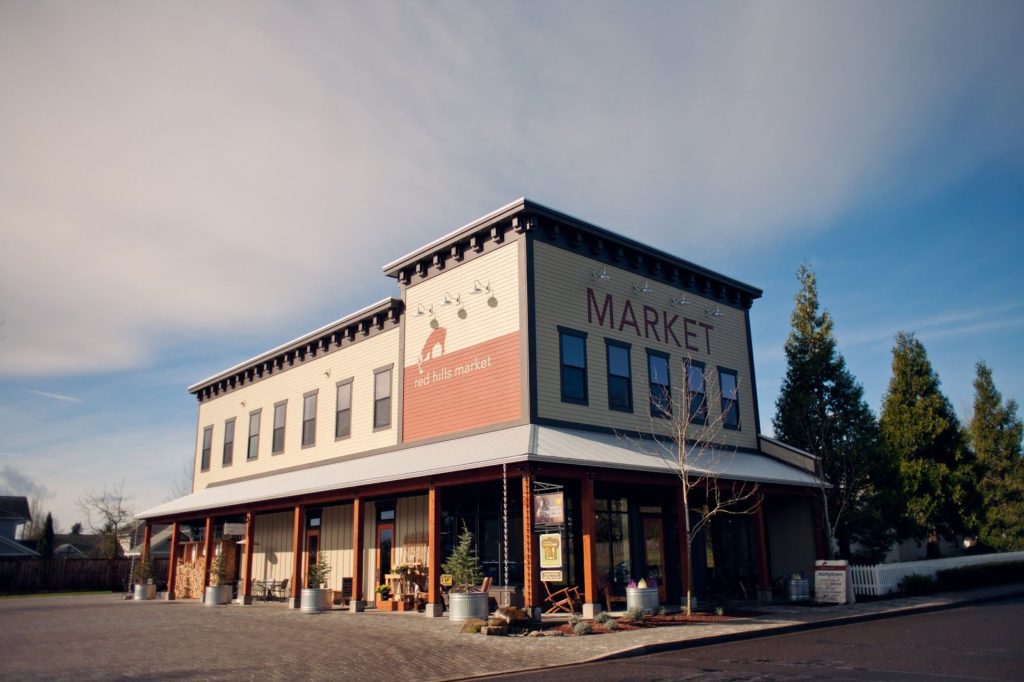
(921, 432)
(44, 545)
(995, 433)
(76, 528)
(821, 409)
(463, 564)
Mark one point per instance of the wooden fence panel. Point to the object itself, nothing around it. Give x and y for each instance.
(50, 575)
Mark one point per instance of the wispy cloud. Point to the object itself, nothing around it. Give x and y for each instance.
(940, 325)
(55, 396)
(14, 481)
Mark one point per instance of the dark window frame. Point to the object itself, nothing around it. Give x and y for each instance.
(207, 447)
(609, 344)
(338, 435)
(380, 401)
(252, 450)
(277, 446)
(701, 415)
(228, 455)
(735, 402)
(661, 411)
(309, 422)
(563, 367)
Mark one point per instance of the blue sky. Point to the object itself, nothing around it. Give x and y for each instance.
(185, 185)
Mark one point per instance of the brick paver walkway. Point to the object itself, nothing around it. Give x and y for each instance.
(101, 637)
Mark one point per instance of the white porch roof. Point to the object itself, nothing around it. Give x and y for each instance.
(528, 442)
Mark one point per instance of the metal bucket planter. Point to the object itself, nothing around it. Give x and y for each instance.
(645, 598)
(463, 605)
(314, 600)
(147, 591)
(218, 595)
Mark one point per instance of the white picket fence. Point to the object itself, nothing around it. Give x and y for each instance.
(882, 579)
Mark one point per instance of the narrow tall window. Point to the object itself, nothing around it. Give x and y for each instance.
(343, 413)
(309, 419)
(696, 392)
(730, 398)
(573, 358)
(382, 399)
(661, 389)
(253, 450)
(229, 443)
(204, 462)
(277, 444)
(620, 380)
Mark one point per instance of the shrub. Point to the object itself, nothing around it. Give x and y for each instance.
(611, 625)
(662, 611)
(635, 614)
(917, 584)
(574, 620)
(979, 576)
(583, 628)
(602, 618)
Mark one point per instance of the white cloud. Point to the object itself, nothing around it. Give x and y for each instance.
(14, 481)
(179, 170)
(55, 396)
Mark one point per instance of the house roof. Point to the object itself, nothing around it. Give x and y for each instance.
(80, 544)
(15, 507)
(13, 549)
(525, 443)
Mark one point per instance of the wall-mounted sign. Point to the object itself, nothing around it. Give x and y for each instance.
(548, 509)
(234, 530)
(551, 576)
(446, 580)
(550, 550)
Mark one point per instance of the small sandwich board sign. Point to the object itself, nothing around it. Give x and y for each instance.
(832, 582)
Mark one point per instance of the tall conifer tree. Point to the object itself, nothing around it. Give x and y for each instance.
(921, 432)
(821, 409)
(995, 433)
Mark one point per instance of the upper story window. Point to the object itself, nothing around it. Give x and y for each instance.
(229, 443)
(620, 380)
(204, 462)
(309, 419)
(382, 398)
(696, 392)
(573, 358)
(730, 398)
(343, 412)
(253, 449)
(661, 387)
(277, 443)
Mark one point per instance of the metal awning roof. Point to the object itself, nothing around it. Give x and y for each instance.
(528, 442)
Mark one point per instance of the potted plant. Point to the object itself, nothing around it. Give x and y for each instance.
(142, 576)
(642, 595)
(218, 592)
(314, 597)
(465, 600)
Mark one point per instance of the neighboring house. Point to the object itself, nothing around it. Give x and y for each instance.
(78, 546)
(14, 512)
(511, 388)
(159, 545)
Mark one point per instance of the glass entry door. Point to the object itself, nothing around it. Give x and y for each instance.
(310, 558)
(654, 553)
(385, 540)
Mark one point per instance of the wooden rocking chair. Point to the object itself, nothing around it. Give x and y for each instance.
(565, 600)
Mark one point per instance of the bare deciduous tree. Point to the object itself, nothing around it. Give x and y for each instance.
(182, 484)
(108, 513)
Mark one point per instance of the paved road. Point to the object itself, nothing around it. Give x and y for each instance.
(982, 642)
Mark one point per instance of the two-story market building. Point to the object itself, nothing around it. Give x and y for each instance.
(515, 385)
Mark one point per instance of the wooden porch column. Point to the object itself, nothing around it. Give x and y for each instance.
(356, 604)
(147, 536)
(530, 593)
(591, 607)
(250, 540)
(764, 581)
(435, 603)
(297, 580)
(172, 564)
(684, 556)
(207, 554)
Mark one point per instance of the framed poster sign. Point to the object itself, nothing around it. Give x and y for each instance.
(551, 576)
(551, 550)
(548, 509)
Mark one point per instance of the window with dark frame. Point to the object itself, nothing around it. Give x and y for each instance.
(573, 359)
(620, 379)
(382, 399)
(661, 388)
(204, 461)
(309, 419)
(696, 392)
(343, 411)
(229, 443)
(277, 442)
(253, 449)
(730, 398)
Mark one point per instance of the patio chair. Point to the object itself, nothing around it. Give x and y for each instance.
(564, 600)
(283, 589)
(605, 594)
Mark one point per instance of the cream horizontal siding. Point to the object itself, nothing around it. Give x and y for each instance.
(411, 531)
(561, 279)
(336, 542)
(323, 373)
(272, 553)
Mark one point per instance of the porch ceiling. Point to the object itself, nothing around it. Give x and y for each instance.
(527, 442)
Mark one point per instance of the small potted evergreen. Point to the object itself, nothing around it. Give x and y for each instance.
(315, 598)
(465, 600)
(218, 592)
(142, 576)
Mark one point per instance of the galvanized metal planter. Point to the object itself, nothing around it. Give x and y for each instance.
(217, 595)
(645, 598)
(314, 600)
(147, 591)
(463, 605)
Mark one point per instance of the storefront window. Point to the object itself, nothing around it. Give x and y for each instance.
(612, 542)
